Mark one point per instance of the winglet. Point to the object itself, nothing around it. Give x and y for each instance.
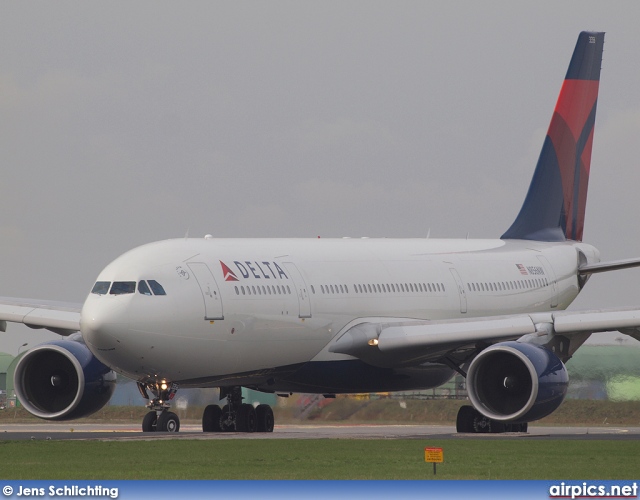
(555, 204)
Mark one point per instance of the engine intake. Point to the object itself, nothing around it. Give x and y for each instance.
(62, 380)
(516, 382)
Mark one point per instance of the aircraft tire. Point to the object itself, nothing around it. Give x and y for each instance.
(464, 420)
(211, 419)
(264, 413)
(246, 419)
(480, 423)
(497, 427)
(149, 422)
(168, 422)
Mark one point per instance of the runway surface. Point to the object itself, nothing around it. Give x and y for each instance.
(129, 432)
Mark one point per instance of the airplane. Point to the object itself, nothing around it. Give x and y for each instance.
(349, 315)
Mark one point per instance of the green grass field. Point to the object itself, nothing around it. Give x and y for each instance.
(319, 459)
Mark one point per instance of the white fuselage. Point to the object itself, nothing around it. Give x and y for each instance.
(242, 309)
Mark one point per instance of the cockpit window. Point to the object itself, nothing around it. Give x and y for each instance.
(101, 287)
(156, 287)
(143, 288)
(122, 287)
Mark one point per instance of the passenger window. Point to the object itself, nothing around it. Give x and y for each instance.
(122, 287)
(143, 288)
(101, 287)
(156, 287)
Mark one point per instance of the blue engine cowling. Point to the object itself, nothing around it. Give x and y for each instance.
(62, 380)
(516, 382)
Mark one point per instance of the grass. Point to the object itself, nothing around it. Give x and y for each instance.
(319, 459)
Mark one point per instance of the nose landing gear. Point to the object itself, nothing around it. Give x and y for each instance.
(159, 418)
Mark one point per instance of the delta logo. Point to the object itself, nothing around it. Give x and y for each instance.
(253, 269)
(228, 273)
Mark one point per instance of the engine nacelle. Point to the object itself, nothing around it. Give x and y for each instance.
(516, 382)
(62, 380)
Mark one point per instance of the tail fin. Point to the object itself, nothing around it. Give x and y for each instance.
(555, 204)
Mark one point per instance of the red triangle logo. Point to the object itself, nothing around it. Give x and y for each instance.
(228, 273)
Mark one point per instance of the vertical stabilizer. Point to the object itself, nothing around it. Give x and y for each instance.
(555, 204)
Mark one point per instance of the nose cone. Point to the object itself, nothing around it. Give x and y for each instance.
(103, 321)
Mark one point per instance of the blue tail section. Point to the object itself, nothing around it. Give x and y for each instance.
(555, 204)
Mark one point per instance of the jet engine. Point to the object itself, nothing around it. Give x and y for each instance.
(62, 380)
(516, 382)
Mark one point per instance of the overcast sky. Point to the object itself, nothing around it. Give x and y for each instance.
(128, 122)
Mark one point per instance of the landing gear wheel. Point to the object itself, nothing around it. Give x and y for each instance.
(168, 422)
(226, 420)
(149, 422)
(496, 427)
(211, 419)
(481, 424)
(464, 421)
(264, 413)
(246, 419)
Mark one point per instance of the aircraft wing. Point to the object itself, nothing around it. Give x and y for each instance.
(385, 342)
(62, 318)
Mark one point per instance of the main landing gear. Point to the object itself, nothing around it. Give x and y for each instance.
(159, 418)
(471, 420)
(236, 415)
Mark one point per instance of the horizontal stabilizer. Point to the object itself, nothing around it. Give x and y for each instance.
(613, 265)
